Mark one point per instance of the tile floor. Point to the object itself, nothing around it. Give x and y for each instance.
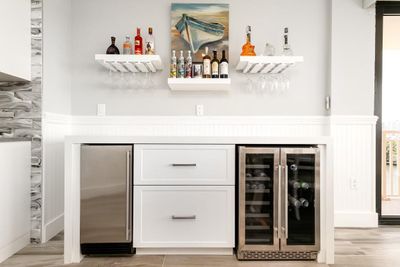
(354, 248)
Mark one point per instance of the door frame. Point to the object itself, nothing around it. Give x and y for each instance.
(383, 8)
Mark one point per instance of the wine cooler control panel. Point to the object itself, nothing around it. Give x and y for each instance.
(278, 203)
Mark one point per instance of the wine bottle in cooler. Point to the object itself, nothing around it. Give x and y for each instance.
(294, 202)
(304, 202)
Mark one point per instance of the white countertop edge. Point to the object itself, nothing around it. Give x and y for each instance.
(245, 140)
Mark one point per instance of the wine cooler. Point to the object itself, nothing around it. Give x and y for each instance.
(278, 203)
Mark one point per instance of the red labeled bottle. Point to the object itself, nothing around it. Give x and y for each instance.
(138, 43)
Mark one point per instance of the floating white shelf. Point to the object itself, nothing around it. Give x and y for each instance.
(267, 64)
(199, 84)
(130, 63)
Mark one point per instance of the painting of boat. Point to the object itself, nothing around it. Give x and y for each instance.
(195, 26)
(197, 33)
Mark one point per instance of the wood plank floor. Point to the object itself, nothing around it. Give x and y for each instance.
(354, 248)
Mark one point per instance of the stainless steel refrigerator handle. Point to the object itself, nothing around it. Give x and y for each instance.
(286, 202)
(192, 217)
(128, 188)
(279, 198)
(183, 165)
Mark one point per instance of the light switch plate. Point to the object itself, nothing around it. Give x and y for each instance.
(101, 109)
(199, 110)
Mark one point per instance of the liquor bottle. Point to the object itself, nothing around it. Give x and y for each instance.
(287, 51)
(181, 66)
(150, 43)
(127, 47)
(172, 69)
(248, 48)
(189, 65)
(112, 49)
(215, 65)
(138, 43)
(224, 66)
(206, 65)
(304, 202)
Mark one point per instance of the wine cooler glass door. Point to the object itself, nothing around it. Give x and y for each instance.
(258, 198)
(300, 199)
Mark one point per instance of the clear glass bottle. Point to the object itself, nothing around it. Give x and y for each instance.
(172, 68)
(127, 47)
(287, 51)
(269, 50)
(150, 43)
(181, 66)
(189, 65)
(112, 49)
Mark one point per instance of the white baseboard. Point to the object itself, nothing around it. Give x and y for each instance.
(52, 228)
(184, 251)
(13, 247)
(356, 219)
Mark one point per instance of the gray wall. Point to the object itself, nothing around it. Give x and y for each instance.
(21, 115)
(94, 21)
(57, 56)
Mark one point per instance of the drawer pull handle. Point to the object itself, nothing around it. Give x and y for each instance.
(193, 217)
(183, 165)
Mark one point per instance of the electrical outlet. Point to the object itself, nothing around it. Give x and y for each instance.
(353, 183)
(101, 109)
(199, 110)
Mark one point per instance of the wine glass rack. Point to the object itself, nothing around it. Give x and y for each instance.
(267, 64)
(130, 63)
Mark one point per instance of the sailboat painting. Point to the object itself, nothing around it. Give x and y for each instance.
(195, 26)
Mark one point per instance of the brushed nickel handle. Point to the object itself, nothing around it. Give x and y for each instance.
(192, 217)
(128, 188)
(183, 164)
(279, 200)
(286, 201)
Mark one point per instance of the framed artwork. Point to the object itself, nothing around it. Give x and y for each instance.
(195, 26)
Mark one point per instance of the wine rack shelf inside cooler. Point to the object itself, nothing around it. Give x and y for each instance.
(198, 84)
(267, 64)
(130, 63)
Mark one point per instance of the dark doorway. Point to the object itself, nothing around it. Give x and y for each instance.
(388, 130)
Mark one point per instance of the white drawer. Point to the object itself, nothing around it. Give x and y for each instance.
(184, 164)
(184, 217)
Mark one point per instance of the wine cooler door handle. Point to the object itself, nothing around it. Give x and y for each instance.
(286, 183)
(128, 190)
(192, 217)
(279, 199)
(183, 164)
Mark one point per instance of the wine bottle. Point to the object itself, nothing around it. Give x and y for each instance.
(138, 43)
(206, 65)
(215, 65)
(294, 202)
(127, 47)
(188, 65)
(304, 202)
(287, 51)
(150, 43)
(224, 66)
(181, 66)
(294, 184)
(172, 68)
(112, 49)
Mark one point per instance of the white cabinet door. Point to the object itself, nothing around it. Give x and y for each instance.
(184, 216)
(184, 164)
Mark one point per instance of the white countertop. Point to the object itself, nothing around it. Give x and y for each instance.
(281, 140)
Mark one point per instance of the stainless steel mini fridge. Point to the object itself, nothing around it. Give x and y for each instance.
(106, 199)
(279, 203)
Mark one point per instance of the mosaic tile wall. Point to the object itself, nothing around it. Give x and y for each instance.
(20, 116)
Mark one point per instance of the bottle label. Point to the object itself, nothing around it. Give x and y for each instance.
(207, 67)
(214, 68)
(224, 68)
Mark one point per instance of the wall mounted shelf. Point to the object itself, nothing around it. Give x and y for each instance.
(267, 64)
(194, 84)
(130, 63)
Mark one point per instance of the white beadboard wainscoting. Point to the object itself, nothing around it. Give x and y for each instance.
(354, 152)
